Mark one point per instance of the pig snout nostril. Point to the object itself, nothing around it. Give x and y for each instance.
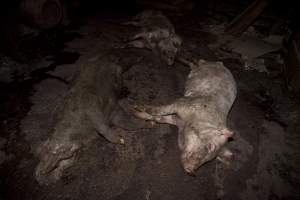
(230, 139)
(191, 173)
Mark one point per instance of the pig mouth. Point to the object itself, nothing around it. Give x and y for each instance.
(192, 173)
(189, 171)
(191, 164)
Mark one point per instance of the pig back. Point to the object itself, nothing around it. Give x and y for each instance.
(214, 84)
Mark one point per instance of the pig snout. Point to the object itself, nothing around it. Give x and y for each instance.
(201, 149)
(188, 167)
(191, 161)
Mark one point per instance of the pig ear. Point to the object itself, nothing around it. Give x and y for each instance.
(211, 147)
(228, 133)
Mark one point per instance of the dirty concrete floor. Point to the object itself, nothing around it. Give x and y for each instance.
(265, 119)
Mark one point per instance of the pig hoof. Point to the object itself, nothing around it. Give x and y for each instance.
(143, 115)
(118, 137)
(139, 108)
(141, 112)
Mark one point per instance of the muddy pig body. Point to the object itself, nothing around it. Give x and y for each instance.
(90, 109)
(200, 115)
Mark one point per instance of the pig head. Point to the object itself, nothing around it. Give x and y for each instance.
(198, 147)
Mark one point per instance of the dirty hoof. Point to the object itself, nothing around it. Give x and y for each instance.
(143, 112)
(118, 136)
(139, 108)
(143, 115)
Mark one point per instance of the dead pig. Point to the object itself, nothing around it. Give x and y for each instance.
(157, 33)
(200, 115)
(89, 110)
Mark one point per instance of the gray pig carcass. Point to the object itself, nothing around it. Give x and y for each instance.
(89, 110)
(157, 33)
(200, 115)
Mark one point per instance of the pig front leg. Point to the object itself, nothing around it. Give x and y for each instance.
(166, 119)
(163, 114)
(169, 109)
(154, 113)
